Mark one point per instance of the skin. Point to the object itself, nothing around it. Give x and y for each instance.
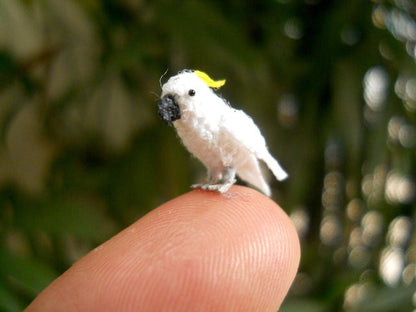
(202, 251)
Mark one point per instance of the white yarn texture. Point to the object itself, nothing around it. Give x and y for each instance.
(220, 136)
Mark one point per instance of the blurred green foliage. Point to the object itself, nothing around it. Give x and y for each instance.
(331, 83)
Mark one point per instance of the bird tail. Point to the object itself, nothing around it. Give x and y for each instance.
(251, 173)
(274, 166)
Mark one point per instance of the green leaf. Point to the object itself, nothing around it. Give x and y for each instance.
(8, 301)
(82, 217)
(33, 276)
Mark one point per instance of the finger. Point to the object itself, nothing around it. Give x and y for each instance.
(202, 251)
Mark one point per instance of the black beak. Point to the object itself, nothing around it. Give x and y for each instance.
(168, 109)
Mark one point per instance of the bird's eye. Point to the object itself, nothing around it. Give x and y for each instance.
(191, 92)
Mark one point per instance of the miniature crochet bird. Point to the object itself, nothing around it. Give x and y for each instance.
(224, 139)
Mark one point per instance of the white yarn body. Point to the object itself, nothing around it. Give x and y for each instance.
(205, 136)
(218, 135)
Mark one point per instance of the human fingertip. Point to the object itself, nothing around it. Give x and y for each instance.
(200, 251)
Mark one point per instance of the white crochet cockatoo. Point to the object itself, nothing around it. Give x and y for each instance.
(224, 139)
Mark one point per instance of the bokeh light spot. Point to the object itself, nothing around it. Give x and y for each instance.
(376, 82)
(391, 265)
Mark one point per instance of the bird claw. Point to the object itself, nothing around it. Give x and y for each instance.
(220, 188)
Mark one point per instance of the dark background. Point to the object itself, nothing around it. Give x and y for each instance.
(331, 83)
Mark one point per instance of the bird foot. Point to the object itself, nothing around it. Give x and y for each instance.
(220, 188)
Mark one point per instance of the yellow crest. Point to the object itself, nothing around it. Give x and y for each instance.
(208, 80)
